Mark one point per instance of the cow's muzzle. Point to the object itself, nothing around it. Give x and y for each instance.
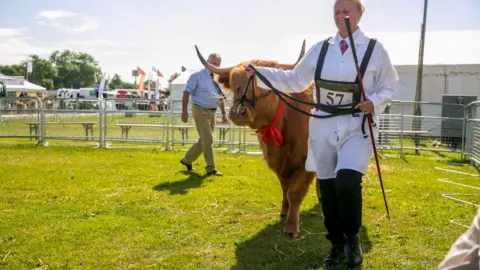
(241, 110)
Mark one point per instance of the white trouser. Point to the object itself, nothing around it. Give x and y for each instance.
(338, 143)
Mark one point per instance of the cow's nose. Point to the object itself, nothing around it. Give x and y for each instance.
(241, 110)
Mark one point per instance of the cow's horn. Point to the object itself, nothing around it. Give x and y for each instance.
(290, 66)
(211, 67)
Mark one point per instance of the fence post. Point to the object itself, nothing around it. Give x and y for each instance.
(101, 121)
(464, 133)
(167, 121)
(105, 126)
(401, 130)
(42, 126)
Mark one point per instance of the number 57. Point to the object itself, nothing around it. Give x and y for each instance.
(331, 96)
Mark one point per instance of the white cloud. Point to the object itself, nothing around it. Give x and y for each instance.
(10, 32)
(89, 24)
(67, 21)
(93, 43)
(96, 47)
(17, 45)
(51, 15)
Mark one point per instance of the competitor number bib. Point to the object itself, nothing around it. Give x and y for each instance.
(335, 98)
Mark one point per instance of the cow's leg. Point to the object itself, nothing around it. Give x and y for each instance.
(285, 205)
(295, 194)
(285, 182)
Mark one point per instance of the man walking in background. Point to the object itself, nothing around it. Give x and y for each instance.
(206, 97)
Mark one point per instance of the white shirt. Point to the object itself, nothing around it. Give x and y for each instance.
(464, 253)
(380, 78)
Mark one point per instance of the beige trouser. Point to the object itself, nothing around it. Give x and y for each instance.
(205, 123)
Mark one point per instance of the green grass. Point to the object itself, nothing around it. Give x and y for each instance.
(80, 207)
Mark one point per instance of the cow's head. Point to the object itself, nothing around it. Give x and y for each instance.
(235, 80)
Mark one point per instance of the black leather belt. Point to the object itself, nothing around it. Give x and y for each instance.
(212, 109)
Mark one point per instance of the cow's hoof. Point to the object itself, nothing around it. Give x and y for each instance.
(290, 235)
(283, 217)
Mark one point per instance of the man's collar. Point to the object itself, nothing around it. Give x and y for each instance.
(358, 36)
(207, 71)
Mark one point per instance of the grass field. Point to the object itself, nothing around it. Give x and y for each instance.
(79, 207)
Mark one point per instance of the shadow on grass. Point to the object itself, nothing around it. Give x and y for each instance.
(268, 249)
(462, 162)
(194, 180)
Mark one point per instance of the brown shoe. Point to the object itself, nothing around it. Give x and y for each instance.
(215, 172)
(189, 166)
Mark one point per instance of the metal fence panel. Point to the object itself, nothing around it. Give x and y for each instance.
(159, 121)
(183, 134)
(472, 131)
(430, 130)
(20, 117)
(140, 120)
(72, 119)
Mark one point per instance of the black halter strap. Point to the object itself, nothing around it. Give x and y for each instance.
(254, 98)
(363, 66)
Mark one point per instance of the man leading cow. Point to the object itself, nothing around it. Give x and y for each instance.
(339, 149)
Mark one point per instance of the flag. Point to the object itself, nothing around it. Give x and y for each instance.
(102, 85)
(107, 82)
(150, 75)
(140, 71)
(142, 78)
(150, 78)
(157, 90)
(159, 74)
(29, 66)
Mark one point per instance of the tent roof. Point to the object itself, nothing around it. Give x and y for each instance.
(26, 86)
(4, 77)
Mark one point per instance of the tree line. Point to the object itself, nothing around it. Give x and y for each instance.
(64, 69)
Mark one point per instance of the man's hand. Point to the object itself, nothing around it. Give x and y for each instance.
(185, 97)
(365, 106)
(184, 117)
(224, 118)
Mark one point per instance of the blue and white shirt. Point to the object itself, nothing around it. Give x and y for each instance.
(203, 90)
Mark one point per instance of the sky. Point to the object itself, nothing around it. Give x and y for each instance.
(124, 34)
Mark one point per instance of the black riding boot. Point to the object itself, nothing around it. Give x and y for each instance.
(330, 212)
(354, 251)
(349, 188)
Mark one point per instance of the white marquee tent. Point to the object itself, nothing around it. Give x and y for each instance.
(178, 85)
(17, 84)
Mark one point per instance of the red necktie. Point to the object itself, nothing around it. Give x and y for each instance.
(343, 46)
